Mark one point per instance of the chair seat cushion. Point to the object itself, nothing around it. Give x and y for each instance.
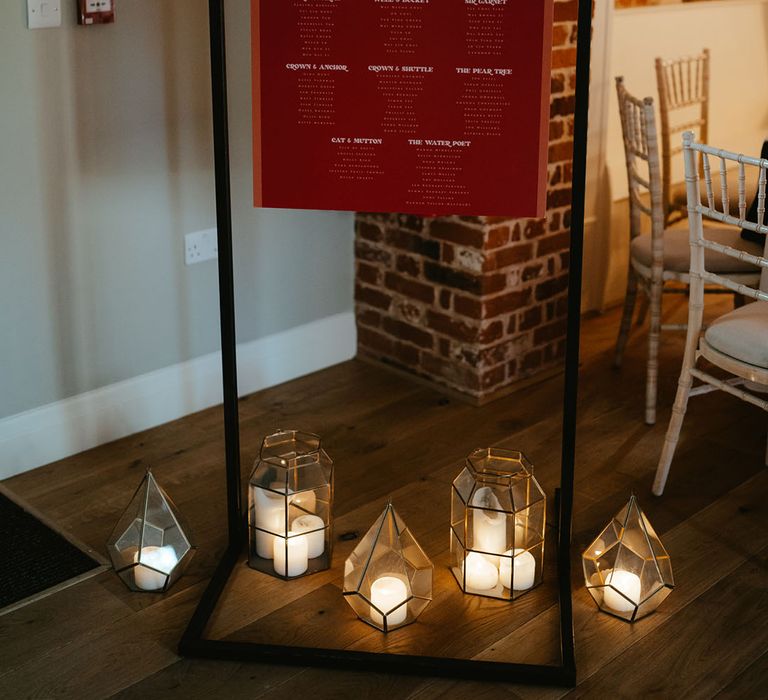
(677, 253)
(742, 334)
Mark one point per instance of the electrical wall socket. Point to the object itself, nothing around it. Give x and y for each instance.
(200, 246)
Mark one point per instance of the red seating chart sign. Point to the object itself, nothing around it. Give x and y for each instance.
(415, 106)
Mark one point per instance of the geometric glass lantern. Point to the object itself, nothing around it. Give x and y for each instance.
(149, 547)
(388, 577)
(627, 570)
(498, 516)
(290, 500)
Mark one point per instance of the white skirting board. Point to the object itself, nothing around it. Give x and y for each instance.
(64, 428)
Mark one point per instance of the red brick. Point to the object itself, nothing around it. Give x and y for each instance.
(407, 355)
(372, 297)
(456, 375)
(551, 287)
(531, 361)
(456, 232)
(408, 265)
(410, 288)
(560, 35)
(493, 377)
(445, 276)
(550, 332)
(368, 273)
(513, 255)
(405, 331)
(566, 11)
(373, 340)
(535, 228)
(564, 58)
(507, 303)
(491, 333)
(445, 299)
(560, 151)
(369, 317)
(530, 318)
(453, 328)
(559, 198)
(412, 243)
(531, 272)
(467, 306)
(553, 244)
(497, 237)
(494, 283)
(369, 232)
(366, 251)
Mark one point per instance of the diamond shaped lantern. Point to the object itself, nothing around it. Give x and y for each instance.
(498, 514)
(290, 499)
(388, 578)
(627, 570)
(149, 547)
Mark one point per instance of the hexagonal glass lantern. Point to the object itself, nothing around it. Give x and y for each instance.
(627, 570)
(150, 546)
(388, 578)
(498, 515)
(290, 499)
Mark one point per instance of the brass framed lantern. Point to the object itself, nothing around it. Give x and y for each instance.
(388, 577)
(627, 571)
(498, 516)
(290, 501)
(149, 547)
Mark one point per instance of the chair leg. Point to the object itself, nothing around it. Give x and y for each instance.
(643, 310)
(652, 366)
(626, 318)
(673, 431)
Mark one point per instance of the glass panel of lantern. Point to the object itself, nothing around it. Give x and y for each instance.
(627, 571)
(149, 547)
(290, 499)
(388, 577)
(498, 516)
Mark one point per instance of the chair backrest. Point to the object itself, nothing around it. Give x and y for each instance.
(683, 85)
(700, 156)
(641, 150)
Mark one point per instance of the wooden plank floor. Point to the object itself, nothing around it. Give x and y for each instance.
(393, 437)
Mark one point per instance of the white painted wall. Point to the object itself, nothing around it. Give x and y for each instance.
(105, 164)
(736, 32)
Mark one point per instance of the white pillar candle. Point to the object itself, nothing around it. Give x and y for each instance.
(161, 559)
(387, 593)
(621, 585)
(306, 500)
(489, 527)
(480, 573)
(269, 514)
(298, 559)
(314, 526)
(524, 564)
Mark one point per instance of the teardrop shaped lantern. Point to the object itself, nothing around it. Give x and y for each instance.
(388, 577)
(149, 547)
(627, 571)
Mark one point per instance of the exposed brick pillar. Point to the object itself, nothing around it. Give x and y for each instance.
(475, 303)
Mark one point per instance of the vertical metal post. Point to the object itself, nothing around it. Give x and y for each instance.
(226, 273)
(570, 399)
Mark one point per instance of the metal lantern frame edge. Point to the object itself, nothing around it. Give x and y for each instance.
(193, 642)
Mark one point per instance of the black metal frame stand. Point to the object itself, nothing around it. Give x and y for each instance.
(193, 642)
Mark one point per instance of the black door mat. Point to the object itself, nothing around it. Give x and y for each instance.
(33, 557)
